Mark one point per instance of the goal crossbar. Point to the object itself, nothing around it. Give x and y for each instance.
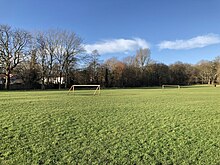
(97, 90)
(163, 86)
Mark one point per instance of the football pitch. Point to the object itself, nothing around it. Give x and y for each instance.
(121, 126)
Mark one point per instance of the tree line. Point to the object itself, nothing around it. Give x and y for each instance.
(57, 59)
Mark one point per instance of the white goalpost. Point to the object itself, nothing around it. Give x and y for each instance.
(171, 86)
(97, 89)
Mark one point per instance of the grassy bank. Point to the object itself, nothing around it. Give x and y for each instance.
(122, 126)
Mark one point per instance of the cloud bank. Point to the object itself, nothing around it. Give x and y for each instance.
(117, 45)
(196, 42)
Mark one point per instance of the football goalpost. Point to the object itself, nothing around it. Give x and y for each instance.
(171, 86)
(97, 89)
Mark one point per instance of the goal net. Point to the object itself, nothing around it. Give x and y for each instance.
(96, 88)
(170, 86)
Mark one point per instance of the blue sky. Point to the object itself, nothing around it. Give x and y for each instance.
(174, 30)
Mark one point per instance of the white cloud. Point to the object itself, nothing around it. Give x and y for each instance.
(117, 45)
(196, 42)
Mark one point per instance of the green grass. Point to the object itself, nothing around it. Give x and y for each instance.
(123, 126)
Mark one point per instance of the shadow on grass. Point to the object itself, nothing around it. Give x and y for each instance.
(83, 94)
(198, 86)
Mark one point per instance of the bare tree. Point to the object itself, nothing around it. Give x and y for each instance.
(93, 64)
(13, 48)
(131, 72)
(69, 46)
(143, 58)
(208, 71)
(52, 42)
(217, 62)
(142, 61)
(116, 69)
(29, 70)
(42, 56)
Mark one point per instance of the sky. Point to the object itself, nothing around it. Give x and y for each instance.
(174, 30)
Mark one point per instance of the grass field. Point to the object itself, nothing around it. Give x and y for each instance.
(123, 126)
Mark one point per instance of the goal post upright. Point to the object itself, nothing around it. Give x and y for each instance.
(71, 89)
(97, 89)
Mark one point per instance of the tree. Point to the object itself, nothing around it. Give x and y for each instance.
(42, 56)
(13, 48)
(194, 75)
(159, 74)
(180, 75)
(57, 51)
(115, 71)
(131, 74)
(217, 62)
(110, 68)
(93, 64)
(69, 46)
(208, 71)
(52, 43)
(29, 71)
(143, 58)
(142, 61)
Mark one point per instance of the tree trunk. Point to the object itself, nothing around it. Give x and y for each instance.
(42, 83)
(7, 79)
(60, 80)
(66, 80)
